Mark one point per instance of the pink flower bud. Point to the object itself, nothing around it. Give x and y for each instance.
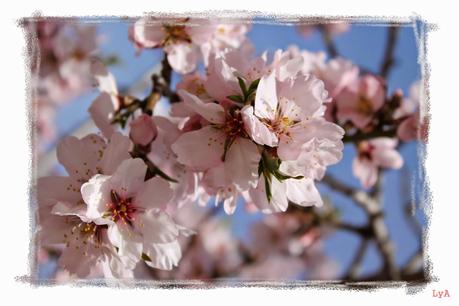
(143, 130)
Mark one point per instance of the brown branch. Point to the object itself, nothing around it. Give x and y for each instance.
(357, 261)
(389, 61)
(360, 135)
(328, 41)
(373, 209)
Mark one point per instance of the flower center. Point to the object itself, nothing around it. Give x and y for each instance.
(365, 150)
(364, 106)
(234, 125)
(175, 34)
(83, 235)
(121, 209)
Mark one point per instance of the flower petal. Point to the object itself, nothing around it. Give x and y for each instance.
(156, 192)
(266, 98)
(201, 149)
(257, 130)
(303, 192)
(116, 152)
(212, 112)
(241, 164)
(183, 58)
(163, 256)
(129, 177)
(101, 111)
(365, 171)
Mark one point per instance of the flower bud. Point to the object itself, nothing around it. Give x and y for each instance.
(143, 130)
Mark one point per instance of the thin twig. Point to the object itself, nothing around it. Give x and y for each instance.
(356, 263)
(328, 41)
(389, 60)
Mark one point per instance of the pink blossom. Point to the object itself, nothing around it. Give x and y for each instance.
(186, 41)
(413, 125)
(65, 50)
(143, 130)
(133, 210)
(298, 191)
(333, 28)
(105, 105)
(188, 188)
(359, 101)
(373, 155)
(62, 212)
(286, 119)
(208, 143)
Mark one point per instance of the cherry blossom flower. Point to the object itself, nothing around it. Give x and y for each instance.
(333, 28)
(223, 140)
(285, 119)
(359, 101)
(133, 211)
(413, 125)
(65, 51)
(62, 212)
(186, 40)
(375, 154)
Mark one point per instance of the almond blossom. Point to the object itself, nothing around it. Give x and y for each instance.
(133, 211)
(333, 28)
(412, 125)
(285, 115)
(186, 40)
(62, 212)
(359, 101)
(373, 155)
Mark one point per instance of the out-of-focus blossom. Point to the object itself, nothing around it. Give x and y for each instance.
(187, 40)
(332, 28)
(359, 101)
(412, 126)
(64, 52)
(105, 105)
(373, 155)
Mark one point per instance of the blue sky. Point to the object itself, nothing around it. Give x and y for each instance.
(364, 45)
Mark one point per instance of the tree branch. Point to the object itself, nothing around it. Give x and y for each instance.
(328, 41)
(389, 61)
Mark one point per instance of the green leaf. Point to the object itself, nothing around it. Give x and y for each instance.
(253, 86)
(260, 167)
(243, 86)
(146, 257)
(282, 177)
(269, 195)
(236, 98)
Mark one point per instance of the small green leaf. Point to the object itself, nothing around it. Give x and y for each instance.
(253, 87)
(282, 177)
(243, 86)
(236, 98)
(269, 195)
(260, 167)
(146, 257)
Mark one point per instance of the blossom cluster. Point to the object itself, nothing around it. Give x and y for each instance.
(262, 128)
(61, 55)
